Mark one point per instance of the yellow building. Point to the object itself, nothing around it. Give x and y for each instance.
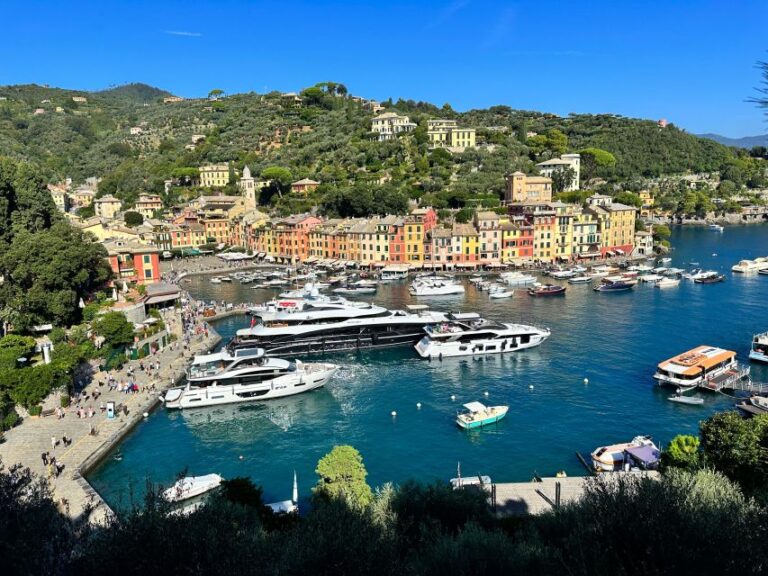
(83, 196)
(465, 244)
(414, 240)
(447, 134)
(106, 206)
(617, 224)
(214, 175)
(586, 242)
(148, 204)
(525, 189)
(648, 202)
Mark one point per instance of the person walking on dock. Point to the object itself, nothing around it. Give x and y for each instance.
(53, 443)
(44, 458)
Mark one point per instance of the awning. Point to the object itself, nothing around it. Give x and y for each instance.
(162, 298)
(379, 264)
(619, 251)
(396, 268)
(310, 260)
(644, 455)
(466, 265)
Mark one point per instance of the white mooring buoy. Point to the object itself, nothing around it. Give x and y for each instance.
(146, 414)
(394, 413)
(485, 393)
(453, 397)
(530, 386)
(586, 380)
(418, 405)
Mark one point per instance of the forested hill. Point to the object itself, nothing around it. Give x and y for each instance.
(327, 138)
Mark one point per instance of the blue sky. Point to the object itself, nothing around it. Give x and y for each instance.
(690, 62)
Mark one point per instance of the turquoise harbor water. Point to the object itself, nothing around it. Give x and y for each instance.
(614, 340)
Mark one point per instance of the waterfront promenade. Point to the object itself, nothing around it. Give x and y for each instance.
(89, 438)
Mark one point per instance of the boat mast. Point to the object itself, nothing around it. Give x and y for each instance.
(295, 495)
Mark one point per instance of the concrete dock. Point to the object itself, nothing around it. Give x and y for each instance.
(92, 438)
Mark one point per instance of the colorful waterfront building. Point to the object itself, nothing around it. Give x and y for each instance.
(465, 245)
(133, 262)
(527, 189)
(396, 232)
(586, 240)
(617, 224)
(516, 241)
(438, 252)
(563, 240)
(487, 224)
(291, 236)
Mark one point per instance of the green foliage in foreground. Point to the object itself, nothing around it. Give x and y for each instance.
(630, 526)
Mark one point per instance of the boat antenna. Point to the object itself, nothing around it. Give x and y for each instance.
(295, 497)
(458, 471)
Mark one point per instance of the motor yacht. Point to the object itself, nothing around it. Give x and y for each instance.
(668, 283)
(748, 266)
(615, 285)
(244, 375)
(650, 278)
(580, 280)
(470, 335)
(310, 331)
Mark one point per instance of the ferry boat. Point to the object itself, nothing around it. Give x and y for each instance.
(191, 486)
(478, 415)
(613, 457)
(470, 335)
(243, 375)
(318, 333)
(546, 290)
(704, 366)
(759, 349)
(435, 286)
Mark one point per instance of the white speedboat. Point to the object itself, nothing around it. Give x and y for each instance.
(665, 260)
(393, 276)
(716, 227)
(243, 375)
(612, 458)
(517, 278)
(470, 335)
(477, 415)
(562, 274)
(429, 286)
(191, 486)
(215, 280)
(668, 283)
(580, 280)
(351, 290)
(500, 294)
(747, 266)
(650, 278)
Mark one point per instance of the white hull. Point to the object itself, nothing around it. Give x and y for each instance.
(428, 348)
(436, 290)
(308, 377)
(191, 486)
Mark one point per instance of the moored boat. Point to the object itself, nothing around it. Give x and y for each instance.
(478, 415)
(243, 375)
(191, 486)
(705, 366)
(435, 286)
(618, 285)
(470, 335)
(753, 406)
(759, 348)
(668, 283)
(517, 278)
(499, 294)
(546, 290)
(579, 280)
(713, 278)
(613, 457)
(715, 227)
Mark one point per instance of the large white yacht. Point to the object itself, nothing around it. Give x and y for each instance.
(435, 286)
(470, 335)
(243, 375)
(747, 266)
(290, 310)
(316, 331)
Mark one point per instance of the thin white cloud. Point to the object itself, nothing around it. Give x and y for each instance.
(446, 13)
(182, 33)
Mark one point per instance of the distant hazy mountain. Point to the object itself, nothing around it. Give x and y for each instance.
(746, 142)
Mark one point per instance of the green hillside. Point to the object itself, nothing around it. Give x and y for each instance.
(327, 139)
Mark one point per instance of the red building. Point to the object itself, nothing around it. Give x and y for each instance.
(133, 262)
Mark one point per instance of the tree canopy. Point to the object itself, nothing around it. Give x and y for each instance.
(342, 475)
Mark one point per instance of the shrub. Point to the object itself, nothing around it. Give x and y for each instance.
(10, 420)
(65, 399)
(35, 410)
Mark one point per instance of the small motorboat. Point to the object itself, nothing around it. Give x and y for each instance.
(716, 227)
(691, 400)
(546, 290)
(498, 294)
(579, 280)
(191, 486)
(478, 415)
(215, 280)
(710, 279)
(613, 457)
(614, 286)
(355, 290)
(668, 283)
(753, 406)
(225, 279)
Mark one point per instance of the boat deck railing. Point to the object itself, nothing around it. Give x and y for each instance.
(737, 379)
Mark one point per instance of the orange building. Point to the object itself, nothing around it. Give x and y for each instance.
(133, 262)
